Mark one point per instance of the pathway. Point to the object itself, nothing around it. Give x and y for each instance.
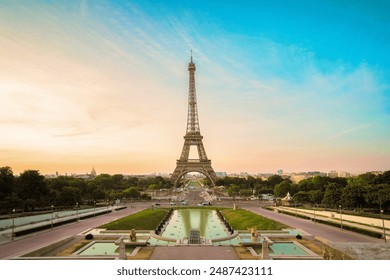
(319, 230)
(194, 253)
(25, 244)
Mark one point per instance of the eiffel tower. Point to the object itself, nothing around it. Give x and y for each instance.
(185, 165)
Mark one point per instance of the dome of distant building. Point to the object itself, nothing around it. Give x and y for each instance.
(93, 172)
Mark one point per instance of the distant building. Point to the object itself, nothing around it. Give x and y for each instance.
(264, 176)
(267, 196)
(376, 172)
(243, 175)
(338, 174)
(333, 174)
(93, 172)
(296, 177)
(280, 172)
(221, 174)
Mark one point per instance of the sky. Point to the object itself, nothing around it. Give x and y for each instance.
(291, 85)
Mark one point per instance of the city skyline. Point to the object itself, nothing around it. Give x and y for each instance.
(300, 86)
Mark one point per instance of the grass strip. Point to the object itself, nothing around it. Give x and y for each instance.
(242, 219)
(145, 219)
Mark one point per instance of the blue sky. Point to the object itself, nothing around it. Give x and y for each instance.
(293, 85)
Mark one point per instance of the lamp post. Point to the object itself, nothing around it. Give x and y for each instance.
(341, 218)
(383, 225)
(296, 211)
(13, 224)
(94, 207)
(77, 212)
(52, 208)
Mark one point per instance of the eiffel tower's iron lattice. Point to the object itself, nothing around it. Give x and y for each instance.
(193, 137)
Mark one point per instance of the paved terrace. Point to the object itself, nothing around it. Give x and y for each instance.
(25, 244)
(371, 224)
(28, 243)
(26, 223)
(353, 244)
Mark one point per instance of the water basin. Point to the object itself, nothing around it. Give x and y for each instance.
(102, 249)
(283, 248)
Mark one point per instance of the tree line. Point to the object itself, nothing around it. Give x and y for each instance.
(363, 191)
(31, 190)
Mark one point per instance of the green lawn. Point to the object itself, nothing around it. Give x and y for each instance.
(146, 219)
(242, 219)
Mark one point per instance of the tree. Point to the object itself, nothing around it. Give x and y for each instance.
(378, 195)
(220, 182)
(246, 193)
(274, 180)
(316, 196)
(265, 190)
(6, 181)
(332, 196)
(319, 182)
(301, 197)
(131, 192)
(233, 190)
(283, 188)
(353, 196)
(153, 187)
(145, 196)
(383, 178)
(29, 204)
(118, 181)
(32, 185)
(58, 183)
(98, 194)
(69, 196)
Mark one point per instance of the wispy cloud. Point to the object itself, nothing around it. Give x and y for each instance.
(349, 130)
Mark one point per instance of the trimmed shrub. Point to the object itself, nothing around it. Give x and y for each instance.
(89, 236)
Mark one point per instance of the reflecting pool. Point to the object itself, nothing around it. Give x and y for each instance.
(202, 219)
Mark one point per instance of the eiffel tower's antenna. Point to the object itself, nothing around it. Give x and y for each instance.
(191, 56)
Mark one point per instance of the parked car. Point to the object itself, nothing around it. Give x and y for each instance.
(206, 203)
(184, 202)
(172, 203)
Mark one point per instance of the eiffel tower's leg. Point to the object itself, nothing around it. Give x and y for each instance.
(213, 177)
(201, 150)
(186, 150)
(176, 175)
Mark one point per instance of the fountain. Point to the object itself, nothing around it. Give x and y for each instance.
(194, 226)
(194, 237)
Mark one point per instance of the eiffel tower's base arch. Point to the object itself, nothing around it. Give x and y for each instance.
(182, 168)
